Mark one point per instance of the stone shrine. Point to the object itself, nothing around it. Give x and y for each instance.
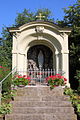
(40, 44)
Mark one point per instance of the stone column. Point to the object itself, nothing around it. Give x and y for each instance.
(65, 66)
(14, 60)
(15, 51)
(54, 62)
(65, 57)
(25, 63)
(26, 59)
(20, 61)
(57, 61)
(60, 61)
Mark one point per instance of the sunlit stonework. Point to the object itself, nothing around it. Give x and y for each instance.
(41, 44)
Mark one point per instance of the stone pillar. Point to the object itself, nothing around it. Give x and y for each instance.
(15, 51)
(60, 61)
(21, 63)
(14, 60)
(25, 63)
(54, 61)
(57, 62)
(65, 57)
(65, 66)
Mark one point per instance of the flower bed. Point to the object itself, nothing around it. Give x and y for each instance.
(21, 80)
(56, 80)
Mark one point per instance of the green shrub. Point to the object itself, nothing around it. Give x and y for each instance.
(74, 98)
(5, 109)
(6, 85)
(7, 97)
(78, 78)
(68, 91)
(78, 109)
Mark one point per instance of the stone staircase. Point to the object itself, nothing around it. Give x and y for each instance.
(41, 103)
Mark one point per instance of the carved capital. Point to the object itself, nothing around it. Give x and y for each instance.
(64, 34)
(16, 34)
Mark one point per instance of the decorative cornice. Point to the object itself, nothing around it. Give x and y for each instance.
(40, 24)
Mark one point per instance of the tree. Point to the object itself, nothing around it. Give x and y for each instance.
(27, 16)
(72, 19)
(5, 48)
(24, 17)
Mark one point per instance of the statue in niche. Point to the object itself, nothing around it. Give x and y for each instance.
(32, 65)
(40, 59)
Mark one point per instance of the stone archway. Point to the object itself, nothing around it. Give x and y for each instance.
(40, 33)
(41, 52)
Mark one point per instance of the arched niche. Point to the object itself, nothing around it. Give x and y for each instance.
(40, 55)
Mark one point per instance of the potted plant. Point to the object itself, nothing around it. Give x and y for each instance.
(21, 80)
(56, 80)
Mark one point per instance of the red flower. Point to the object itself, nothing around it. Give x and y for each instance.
(1, 67)
(57, 76)
(24, 76)
(19, 76)
(65, 79)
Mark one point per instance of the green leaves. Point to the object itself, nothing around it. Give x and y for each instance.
(24, 17)
(72, 15)
(27, 16)
(72, 19)
(78, 109)
(68, 91)
(74, 98)
(5, 109)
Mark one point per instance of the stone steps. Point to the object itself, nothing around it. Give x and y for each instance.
(42, 98)
(37, 91)
(41, 103)
(42, 110)
(40, 117)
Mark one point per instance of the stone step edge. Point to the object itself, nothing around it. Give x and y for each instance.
(12, 102)
(37, 103)
(44, 107)
(39, 114)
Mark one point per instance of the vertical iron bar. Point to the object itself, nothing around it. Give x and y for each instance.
(51, 72)
(48, 72)
(43, 75)
(54, 72)
(40, 74)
